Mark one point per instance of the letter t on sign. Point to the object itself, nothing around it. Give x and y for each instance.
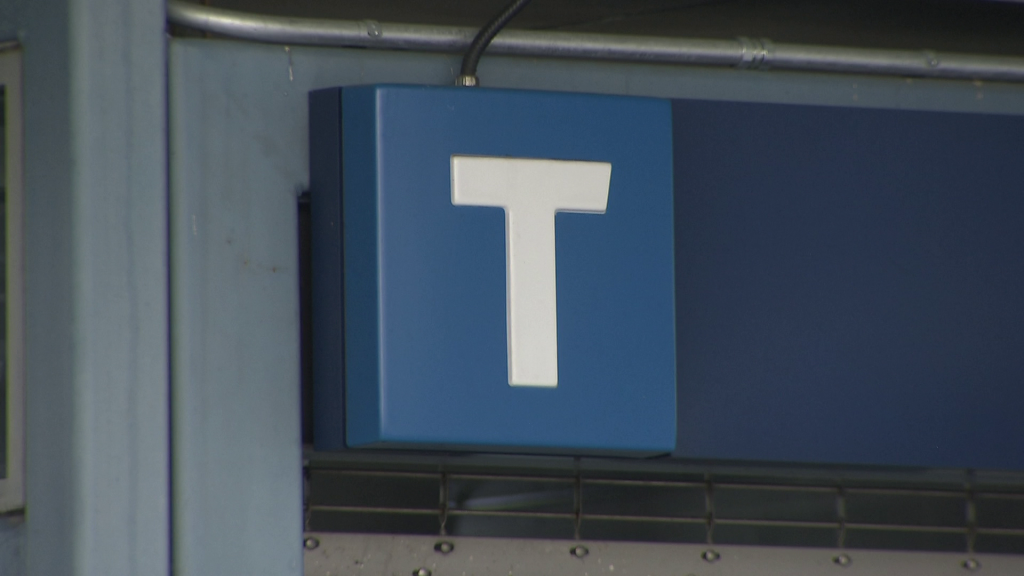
(531, 191)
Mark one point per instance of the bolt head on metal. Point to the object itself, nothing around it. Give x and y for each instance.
(421, 572)
(843, 560)
(710, 556)
(444, 547)
(971, 564)
(311, 543)
(579, 551)
(373, 29)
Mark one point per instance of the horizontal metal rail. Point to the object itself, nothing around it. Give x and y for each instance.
(738, 53)
(765, 523)
(586, 481)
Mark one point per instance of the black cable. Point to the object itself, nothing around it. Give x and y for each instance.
(483, 39)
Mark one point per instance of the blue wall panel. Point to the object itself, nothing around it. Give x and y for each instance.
(850, 285)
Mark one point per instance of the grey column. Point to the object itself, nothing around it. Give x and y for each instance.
(238, 164)
(96, 287)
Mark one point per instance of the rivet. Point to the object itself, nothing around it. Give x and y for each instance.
(843, 560)
(421, 572)
(579, 551)
(710, 556)
(971, 564)
(373, 29)
(311, 543)
(444, 547)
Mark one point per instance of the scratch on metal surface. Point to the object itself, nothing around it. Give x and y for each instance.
(195, 230)
(288, 50)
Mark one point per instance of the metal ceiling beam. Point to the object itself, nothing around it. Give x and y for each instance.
(739, 53)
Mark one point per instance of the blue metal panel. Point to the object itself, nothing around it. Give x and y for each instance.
(850, 285)
(425, 341)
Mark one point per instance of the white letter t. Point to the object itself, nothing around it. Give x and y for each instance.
(531, 191)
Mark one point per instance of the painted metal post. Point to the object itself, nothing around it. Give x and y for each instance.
(237, 480)
(96, 285)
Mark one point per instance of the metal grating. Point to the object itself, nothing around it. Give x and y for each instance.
(789, 510)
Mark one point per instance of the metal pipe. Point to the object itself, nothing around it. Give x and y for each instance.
(739, 53)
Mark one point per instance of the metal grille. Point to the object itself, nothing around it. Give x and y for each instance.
(954, 512)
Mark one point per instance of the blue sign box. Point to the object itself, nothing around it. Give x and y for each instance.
(848, 281)
(414, 286)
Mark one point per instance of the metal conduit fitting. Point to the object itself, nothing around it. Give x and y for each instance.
(739, 53)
